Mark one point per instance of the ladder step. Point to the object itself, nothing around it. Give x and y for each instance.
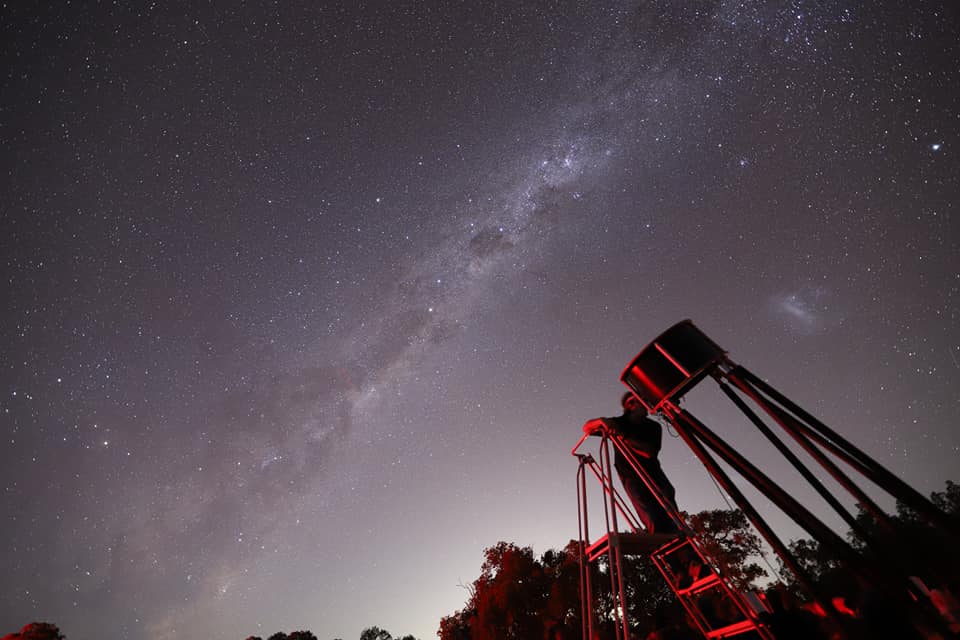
(597, 549)
(676, 544)
(702, 584)
(733, 630)
(630, 544)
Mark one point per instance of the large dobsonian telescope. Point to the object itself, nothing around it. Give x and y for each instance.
(668, 368)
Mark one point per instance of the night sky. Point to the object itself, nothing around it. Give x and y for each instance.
(305, 305)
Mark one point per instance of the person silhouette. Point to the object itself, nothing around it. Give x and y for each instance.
(643, 438)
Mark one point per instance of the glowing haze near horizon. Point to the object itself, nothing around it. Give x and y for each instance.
(305, 305)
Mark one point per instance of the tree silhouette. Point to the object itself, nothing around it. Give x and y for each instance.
(371, 633)
(878, 605)
(923, 550)
(375, 633)
(730, 543)
(520, 596)
(293, 635)
(37, 631)
(948, 500)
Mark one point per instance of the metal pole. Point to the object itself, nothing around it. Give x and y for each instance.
(793, 427)
(879, 474)
(606, 470)
(800, 514)
(609, 490)
(586, 588)
(692, 440)
(793, 459)
(610, 513)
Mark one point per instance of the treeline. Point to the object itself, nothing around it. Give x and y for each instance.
(909, 546)
(519, 596)
(47, 631)
(370, 633)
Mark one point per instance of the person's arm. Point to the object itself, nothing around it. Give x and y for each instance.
(594, 427)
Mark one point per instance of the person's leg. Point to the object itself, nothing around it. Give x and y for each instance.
(653, 516)
(662, 521)
(639, 496)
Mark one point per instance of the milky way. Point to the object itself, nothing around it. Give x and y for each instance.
(305, 306)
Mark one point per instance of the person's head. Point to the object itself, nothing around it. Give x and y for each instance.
(630, 403)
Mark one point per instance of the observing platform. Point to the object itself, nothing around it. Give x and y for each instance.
(629, 544)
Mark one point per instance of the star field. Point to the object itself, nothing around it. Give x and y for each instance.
(305, 305)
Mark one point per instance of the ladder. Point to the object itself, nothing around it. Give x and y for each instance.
(714, 606)
(717, 609)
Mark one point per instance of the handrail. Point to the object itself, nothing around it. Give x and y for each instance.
(587, 433)
(573, 451)
(614, 495)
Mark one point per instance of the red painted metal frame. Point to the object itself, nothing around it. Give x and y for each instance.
(680, 358)
(610, 544)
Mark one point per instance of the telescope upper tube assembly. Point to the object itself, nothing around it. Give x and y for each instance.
(671, 365)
